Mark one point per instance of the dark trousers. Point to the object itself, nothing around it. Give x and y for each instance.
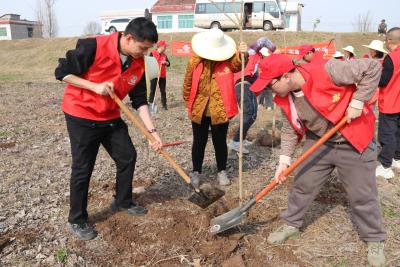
(200, 137)
(266, 98)
(162, 83)
(86, 137)
(356, 172)
(249, 109)
(389, 138)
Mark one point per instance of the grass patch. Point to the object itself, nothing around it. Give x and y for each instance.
(389, 212)
(62, 255)
(342, 262)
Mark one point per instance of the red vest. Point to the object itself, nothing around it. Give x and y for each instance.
(330, 101)
(389, 96)
(251, 67)
(86, 104)
(160, 58)
(224, 77)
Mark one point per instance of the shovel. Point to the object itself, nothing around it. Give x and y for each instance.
(201, 197)
(234, 217)
(153, 105)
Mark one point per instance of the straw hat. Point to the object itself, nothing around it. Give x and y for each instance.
(337, 54)
(350, 49)
(151, 68)
(213, 45)
(377, 45)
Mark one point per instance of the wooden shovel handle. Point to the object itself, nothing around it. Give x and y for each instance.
(146, 133)
(303, 157)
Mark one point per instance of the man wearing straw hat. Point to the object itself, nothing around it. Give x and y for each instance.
(313, 97)
(389, 108)
(96, 70)
(209, 94)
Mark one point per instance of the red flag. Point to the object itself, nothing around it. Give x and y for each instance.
(181, 48)
(323, 49)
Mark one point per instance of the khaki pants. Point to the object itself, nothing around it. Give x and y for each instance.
(357, 173)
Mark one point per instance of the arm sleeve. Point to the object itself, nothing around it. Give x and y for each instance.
(364, 73)
(78, 60)
(138, 95)
(289, 138)
(168, 63)
(235, 62)
(387, 72)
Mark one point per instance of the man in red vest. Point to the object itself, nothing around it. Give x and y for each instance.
(163, 62)
(314, 97)
(96, 70)
(389, 108)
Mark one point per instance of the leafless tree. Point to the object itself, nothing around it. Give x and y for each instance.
(92, 28)
(363, 22)
(46, 15)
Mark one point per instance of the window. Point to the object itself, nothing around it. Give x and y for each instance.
(258, 7)
(3, 32)
(201, 9)
(120, 20)
(287, 21)
(272, 8)
(30, 32)
(214, 8)
(185, 21)
(164, 22)
(232, 8)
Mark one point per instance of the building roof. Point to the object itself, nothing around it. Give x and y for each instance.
(162, 6)
(16, 20)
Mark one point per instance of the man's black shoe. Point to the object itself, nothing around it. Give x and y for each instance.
(83, 231)
(165, 107)
(133, 209)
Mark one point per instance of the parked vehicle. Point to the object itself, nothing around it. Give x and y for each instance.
(258, 14)
(116, 25)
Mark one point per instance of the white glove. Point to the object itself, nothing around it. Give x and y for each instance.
(354, 110)
(284, 162)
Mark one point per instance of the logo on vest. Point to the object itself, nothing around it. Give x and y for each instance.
(133, 80)
(225, 71)
(335, 98)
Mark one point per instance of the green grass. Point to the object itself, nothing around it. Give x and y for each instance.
(389, 212)
(62, 255)
(341, 262)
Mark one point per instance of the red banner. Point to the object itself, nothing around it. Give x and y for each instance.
(327, 49)
(181, 48)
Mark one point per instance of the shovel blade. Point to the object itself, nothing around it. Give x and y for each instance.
(205, 196)
(226, 221)
(153, 108)
(231, 218)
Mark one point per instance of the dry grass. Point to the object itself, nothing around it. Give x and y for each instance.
(36, 59)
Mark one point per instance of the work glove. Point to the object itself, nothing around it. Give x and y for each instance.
(354, 110)
(284, 162)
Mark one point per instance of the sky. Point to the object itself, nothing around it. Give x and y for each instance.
(335, 16)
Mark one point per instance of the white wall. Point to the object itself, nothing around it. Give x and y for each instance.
(8, 28)
(175, 22)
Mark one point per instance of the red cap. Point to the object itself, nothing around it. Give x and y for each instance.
(304, 49)
(271, 67)
(162, 43)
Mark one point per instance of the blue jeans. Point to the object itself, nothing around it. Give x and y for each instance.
(249, 109)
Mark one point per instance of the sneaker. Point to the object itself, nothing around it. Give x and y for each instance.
(133, 209)
(283, 233)
(236, 146)
(376, 254)
(386, 173)
(195, 179)
(247, 142)
(223, 178)
(83, 231)
(396, 164)
(269, 108)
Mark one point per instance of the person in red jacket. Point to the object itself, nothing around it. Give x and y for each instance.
(389, 108)
(95, 71)
(163, 63)
(314, 97)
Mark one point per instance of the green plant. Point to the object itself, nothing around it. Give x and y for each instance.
(62, 255)
(389, 212)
